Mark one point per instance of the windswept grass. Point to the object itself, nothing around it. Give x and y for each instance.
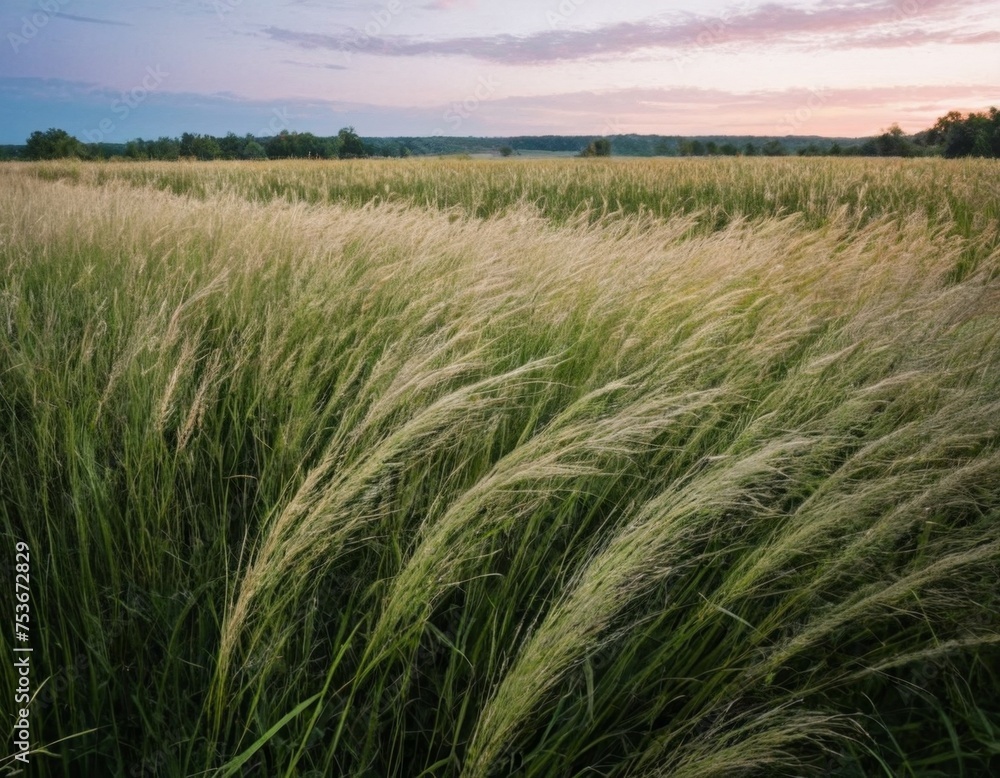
(718, 189)
(316, 485)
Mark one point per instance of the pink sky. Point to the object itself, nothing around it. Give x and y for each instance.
(470, 67)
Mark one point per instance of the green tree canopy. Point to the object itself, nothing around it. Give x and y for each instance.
(351, 146)
(597, 148)
(53, 144)
(253, 150)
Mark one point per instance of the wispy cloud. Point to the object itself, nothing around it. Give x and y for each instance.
(447, 5)
(692, 110)
(846, 112)
(842, 25)
(891, 40)
(673, 98)
(91, 20)
(319, 65)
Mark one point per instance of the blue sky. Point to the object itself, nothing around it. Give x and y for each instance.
(113, 71)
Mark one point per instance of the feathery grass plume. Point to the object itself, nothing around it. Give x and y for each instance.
(580, 443)
(662, 537)
(679, 467)
(335, 502)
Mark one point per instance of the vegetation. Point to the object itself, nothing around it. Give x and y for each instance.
(53, 144)
(954, 135)
(714, 192)
(684, 468)
(974, 135)
(597, 148)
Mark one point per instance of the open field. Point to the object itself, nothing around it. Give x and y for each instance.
(488, 468)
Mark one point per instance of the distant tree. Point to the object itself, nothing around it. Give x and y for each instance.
(774, 148)
(994, 117)
(280, 146)
(712, 148)
(597, 148)
(307, 145)
(698, 148)
(331, 147)
(205, 147)
(231, 146)
(374, 149)
(835, 150)
(53, 144)
(136, 149)
(389, 148)
(253, 150)
(973, 135)
(868, 149)
(939, 132)
(729, 149)
(187, 145)
(968, 138)
(506, 151)
(164, 148)
(894, 143)
(750, 150)
(351, 146)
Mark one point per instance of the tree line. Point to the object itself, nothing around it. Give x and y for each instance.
(953, 135)
(59, 144)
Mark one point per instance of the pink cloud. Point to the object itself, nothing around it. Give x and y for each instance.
(842, 25)
(447, 5)
(852, 112)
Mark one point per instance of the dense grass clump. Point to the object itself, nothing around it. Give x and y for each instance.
(555, 483)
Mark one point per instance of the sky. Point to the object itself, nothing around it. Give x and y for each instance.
(112, 71)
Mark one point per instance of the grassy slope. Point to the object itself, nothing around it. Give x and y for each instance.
(667, 491)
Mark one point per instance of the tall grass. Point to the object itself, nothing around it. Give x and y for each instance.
(965, 195)
(321, 486)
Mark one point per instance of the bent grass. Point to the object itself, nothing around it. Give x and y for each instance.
(318, 487)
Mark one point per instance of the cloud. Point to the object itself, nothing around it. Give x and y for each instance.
(676, 98)
(843, 25)
(320, 65)
(447, 5)
(848, 112)
(845, 112)
(91, 20)
(890, 40)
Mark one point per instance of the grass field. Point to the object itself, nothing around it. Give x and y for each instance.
(488, 468)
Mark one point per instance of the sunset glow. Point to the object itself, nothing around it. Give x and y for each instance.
(113, 71)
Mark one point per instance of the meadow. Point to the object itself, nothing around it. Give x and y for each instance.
(492, 468)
